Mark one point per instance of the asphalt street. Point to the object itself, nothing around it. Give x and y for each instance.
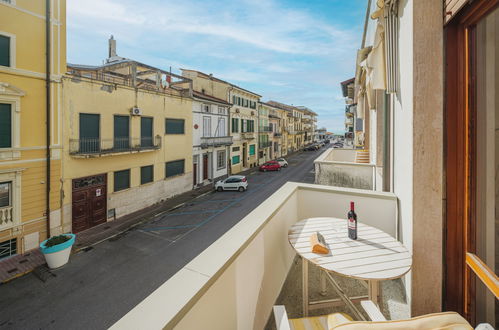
(101, 285)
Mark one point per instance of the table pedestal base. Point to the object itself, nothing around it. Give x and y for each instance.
(372, 286)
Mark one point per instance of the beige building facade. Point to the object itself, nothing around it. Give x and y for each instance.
(128, 140)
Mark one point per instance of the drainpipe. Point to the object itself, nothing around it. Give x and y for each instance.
(47, 111)
(386, 144)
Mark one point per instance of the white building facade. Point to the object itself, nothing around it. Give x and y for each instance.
(211, 139)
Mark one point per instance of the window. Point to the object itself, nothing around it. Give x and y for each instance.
(5, 194)
(221, 127)
(220, 159)
(221, 110)
(174, 168)
(146, 139)
(121, 132)
(235, 127)
(146, 174)
(252, 150)
(5, 125)
(8, 248)
(121, 180)
(234, 99)
(205, 108)
(243, 126)
(235, 160)
(206, 126)
(174, 126)
(89, 132)
(236, 148)
(5, 51)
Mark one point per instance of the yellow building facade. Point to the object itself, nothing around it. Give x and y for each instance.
(127, 140)
(244, 129)
(30, 115)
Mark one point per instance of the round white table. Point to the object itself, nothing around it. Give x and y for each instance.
(373, 257)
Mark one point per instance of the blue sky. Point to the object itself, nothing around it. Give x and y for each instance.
(292, 51)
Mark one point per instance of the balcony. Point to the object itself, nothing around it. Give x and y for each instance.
(234, 283)
(277, 134)
(217, 141)
(88, 148)
(248, 135)
(345, 168)
(6, 218)
(263, 129)
(349, 121)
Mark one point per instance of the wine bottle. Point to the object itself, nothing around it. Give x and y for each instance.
(352, 222)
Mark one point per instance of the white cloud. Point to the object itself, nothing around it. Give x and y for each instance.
(283, 53)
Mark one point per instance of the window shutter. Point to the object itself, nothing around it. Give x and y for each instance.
(5, 125)
(174, 126)
(146, 131)
(121, 180)
(174, 168)
(146, 174)
(4, 51)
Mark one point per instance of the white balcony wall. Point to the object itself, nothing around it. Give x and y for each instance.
(234, 283)
(337, 167)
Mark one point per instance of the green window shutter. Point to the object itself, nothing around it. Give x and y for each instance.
(235, 160)
(146, 174)
(252, 150)
(121, 180)
(233, 99)
(4, 51)
(235, 122)
(174, 168)
(146, 139)
(174, 126)
(121, 132)
(89, 126)
(5, 125)
(89, 132)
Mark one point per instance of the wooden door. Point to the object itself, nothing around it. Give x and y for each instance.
(462, 95)
(89, 203)
(205, 166)
(194, 173)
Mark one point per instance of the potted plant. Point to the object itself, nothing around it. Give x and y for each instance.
(57, 249)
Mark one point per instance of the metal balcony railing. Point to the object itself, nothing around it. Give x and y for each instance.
(248, 135)
(277, 134)
(265, 129)
(109, 146)
(216, 141)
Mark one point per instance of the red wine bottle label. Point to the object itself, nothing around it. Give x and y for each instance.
(352, 224)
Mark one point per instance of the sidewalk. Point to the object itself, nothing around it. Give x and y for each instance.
(19, 265)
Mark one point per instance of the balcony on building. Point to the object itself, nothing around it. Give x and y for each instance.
(236, 281)
(345, 168)
(277, 134)
(216, 141)
(95, 147)
(265, 129)
(248, 135)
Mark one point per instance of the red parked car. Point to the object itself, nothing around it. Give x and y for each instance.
(270, 166)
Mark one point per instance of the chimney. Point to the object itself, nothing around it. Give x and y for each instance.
(112, 47)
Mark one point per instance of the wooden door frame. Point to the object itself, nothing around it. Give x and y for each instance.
(460, 157)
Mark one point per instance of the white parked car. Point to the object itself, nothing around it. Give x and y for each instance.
(282, 162)
(234, 182)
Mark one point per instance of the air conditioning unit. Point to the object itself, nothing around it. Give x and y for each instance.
(136, 111)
